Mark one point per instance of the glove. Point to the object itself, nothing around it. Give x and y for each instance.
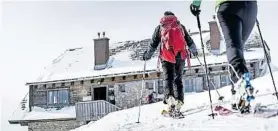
(195, 53)
(146, 56)
(193, 50)
(194, 10)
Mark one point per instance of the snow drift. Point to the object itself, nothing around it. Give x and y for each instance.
(151, 120)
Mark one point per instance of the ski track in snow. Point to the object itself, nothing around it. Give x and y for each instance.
(151, 120)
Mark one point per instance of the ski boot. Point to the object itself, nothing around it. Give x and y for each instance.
(246, 91)
(170, 102)
(178, 104)
(233, 100)
(177, 113)
(173, 107)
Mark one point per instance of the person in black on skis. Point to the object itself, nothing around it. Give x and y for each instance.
(175, 42)
(237, 19)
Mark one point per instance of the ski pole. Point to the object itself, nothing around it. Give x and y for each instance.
(220, 97)
(206, 69)
(267, 59)
(141, 93)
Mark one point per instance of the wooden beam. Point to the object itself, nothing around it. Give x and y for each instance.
(135, 76)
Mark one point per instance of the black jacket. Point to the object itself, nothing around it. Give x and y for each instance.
(155, 41)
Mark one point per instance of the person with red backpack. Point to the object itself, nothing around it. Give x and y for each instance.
(175, 42)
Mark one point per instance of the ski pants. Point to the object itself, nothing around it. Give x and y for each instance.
(237, 19)
(173, 79)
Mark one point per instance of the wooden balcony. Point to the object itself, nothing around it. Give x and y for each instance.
(93, 110)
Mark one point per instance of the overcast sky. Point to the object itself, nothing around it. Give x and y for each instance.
(34, 33)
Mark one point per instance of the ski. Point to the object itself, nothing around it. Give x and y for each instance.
(174, 114)
(198, 109)
(259, 111)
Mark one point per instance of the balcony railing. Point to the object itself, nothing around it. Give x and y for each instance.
(93, 110)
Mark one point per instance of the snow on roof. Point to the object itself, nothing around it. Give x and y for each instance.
(114, 45)
(197, 39)
(151, 119)
(38, 113)
(79, 63)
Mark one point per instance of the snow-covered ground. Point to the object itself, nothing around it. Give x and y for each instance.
(40, 113)
(151, 120)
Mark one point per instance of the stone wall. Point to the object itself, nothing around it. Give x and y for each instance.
(129, 96)
(80, 90)
(123, 96)
(54, 125)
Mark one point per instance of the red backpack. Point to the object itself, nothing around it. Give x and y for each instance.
(172, 39)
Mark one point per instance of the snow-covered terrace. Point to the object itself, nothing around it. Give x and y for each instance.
(40, 114)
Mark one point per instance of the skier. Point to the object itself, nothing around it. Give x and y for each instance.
(175, 42)
(150, 98)
(237, 19)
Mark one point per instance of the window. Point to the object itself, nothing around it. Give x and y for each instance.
(160, 89)
(213, 79)
(149, 85)
(57, 97)
(224, 80)
(193, 84)
(188, 85)
(111, 90)
(199, 84)
(89, 93)
(216, 81)
(121, 88)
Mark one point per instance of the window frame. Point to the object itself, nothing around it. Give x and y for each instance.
(160, 86)
(59, 94)
(121, 88)
(227, 81)
(149, 85)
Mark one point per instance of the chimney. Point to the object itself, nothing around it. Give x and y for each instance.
(103, 34)
(101, 52)
(98, 34)
(214, 37)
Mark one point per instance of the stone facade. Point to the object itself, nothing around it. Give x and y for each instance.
(127, 94)
(54, 125)
(123, 95)
(80, 90)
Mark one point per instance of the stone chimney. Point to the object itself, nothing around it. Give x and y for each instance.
(101, 51)
(215, 37)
